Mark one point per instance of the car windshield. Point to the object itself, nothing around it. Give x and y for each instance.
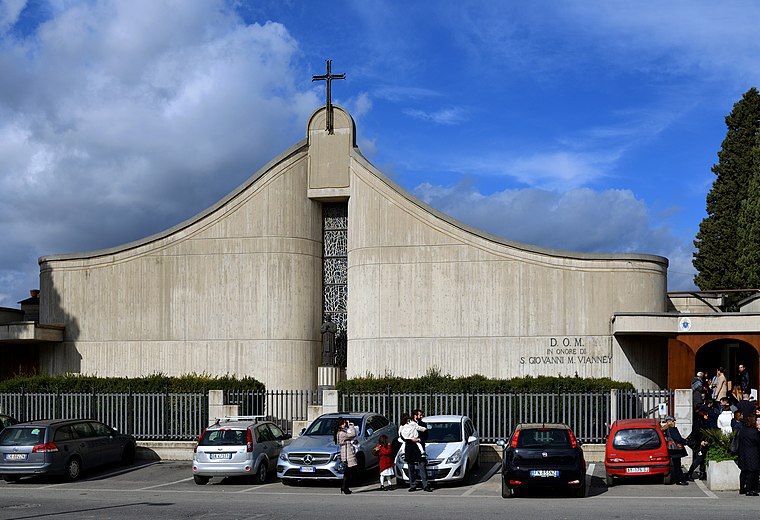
(326, 425)
(22, 436)
(444, 432)
(636, 439)
(223, 437)
(543, 438)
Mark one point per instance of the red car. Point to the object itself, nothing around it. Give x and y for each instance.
(635, 448)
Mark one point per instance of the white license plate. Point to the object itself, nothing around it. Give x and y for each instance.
(15, 456)
(307, 469)
(544, 473)
(221, 456)
(637, 470)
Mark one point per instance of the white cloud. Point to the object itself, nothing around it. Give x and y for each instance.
(9, 13)
(445, 116)
(582, 220)
(116, 124)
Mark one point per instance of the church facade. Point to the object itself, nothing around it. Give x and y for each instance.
(243, 288)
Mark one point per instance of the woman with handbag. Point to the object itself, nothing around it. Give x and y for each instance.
(345, 432)
(676, 449)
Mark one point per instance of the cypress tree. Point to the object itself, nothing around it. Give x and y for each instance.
(748, 262)
(718, 242)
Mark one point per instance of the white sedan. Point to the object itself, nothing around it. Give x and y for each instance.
(453, 449)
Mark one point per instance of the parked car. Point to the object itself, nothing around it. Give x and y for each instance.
(314, 454)
(636, 448)
(544, 456)
(6, 420)
(452, 449)
(238, 446)
(61, 447)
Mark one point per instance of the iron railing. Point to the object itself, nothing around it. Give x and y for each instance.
(282, 407)
(496, 415)
(147, 416)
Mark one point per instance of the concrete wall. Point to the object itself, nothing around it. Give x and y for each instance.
(235, 290)
(426, 291)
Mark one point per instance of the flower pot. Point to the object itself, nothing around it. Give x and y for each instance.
(722, 476)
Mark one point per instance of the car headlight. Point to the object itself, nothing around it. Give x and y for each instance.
(335, 456)
(455, 458)
(284, 456)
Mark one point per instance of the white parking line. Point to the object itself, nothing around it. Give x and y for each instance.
(488, 476)
(701, 485)
(165, 484)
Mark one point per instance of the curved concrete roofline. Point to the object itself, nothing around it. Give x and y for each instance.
(493, 238)
(293, 150)
(338, 107)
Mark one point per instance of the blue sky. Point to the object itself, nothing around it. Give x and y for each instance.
(585, 126)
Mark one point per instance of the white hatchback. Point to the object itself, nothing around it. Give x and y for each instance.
(453, 449)
(238, 446)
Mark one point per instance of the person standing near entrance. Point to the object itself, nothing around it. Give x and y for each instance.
(743, 381)
(721, 385)
(749, 457)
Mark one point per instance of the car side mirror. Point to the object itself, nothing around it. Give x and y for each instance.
(472, 439)
(285, 436)
(501, 442)
(370, 431)
(303, 430)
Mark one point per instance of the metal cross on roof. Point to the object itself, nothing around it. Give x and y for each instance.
(328, 78)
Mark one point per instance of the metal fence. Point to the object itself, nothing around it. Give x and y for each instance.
(147, 416)
(279, 406)
(497, 414)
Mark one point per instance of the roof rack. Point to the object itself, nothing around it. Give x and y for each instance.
(228, 418)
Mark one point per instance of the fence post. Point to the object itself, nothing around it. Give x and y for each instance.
(613, 405)
(92, 405)
(167, 410)
(22, 415)
(130, 412)
(388, 404)
(57, 407)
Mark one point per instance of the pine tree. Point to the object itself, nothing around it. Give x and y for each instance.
(718, 240)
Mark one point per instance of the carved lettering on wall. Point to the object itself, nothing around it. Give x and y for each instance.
(566, 351)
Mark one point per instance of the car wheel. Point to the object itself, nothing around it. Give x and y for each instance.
(201, 481)
(506, 491)
(73, 469)
(261, 474)
(128, 455)
(11, 478)
(609, 480)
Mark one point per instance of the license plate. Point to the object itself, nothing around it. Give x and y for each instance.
(544, 473)
(221, 456)
(307, 469)
(431, 473)
(15, 456)
(637, 470)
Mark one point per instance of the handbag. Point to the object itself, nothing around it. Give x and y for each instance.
(675, 449)
(734, 446)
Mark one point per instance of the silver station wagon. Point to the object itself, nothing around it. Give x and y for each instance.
(61, 447)
(314, 454)
(238, 446)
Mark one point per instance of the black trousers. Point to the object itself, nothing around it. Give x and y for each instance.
(348, 478)
(677, 471)
(748, 480)
(698, 462)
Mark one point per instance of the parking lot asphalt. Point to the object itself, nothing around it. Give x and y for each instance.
(167, 490)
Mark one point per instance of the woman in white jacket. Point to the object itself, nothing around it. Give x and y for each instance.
(724, 419)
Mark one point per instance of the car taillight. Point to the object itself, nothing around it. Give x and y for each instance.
(660, 459)
(195, 450)
(50, 447)
(513, 442)
(573, 441)
(248, 440)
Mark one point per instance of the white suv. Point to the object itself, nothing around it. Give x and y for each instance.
(238, 446)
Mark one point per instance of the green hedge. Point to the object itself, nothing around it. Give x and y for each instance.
(434, 381)
(153, 383)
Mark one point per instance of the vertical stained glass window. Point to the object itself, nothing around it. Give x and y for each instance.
(335, 269)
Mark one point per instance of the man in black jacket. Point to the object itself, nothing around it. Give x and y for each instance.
(744, 380)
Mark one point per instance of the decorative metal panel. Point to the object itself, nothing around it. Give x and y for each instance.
(335, 271)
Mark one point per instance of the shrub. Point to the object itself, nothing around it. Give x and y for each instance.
(435, 382)
(75, 383)
(718, 445)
